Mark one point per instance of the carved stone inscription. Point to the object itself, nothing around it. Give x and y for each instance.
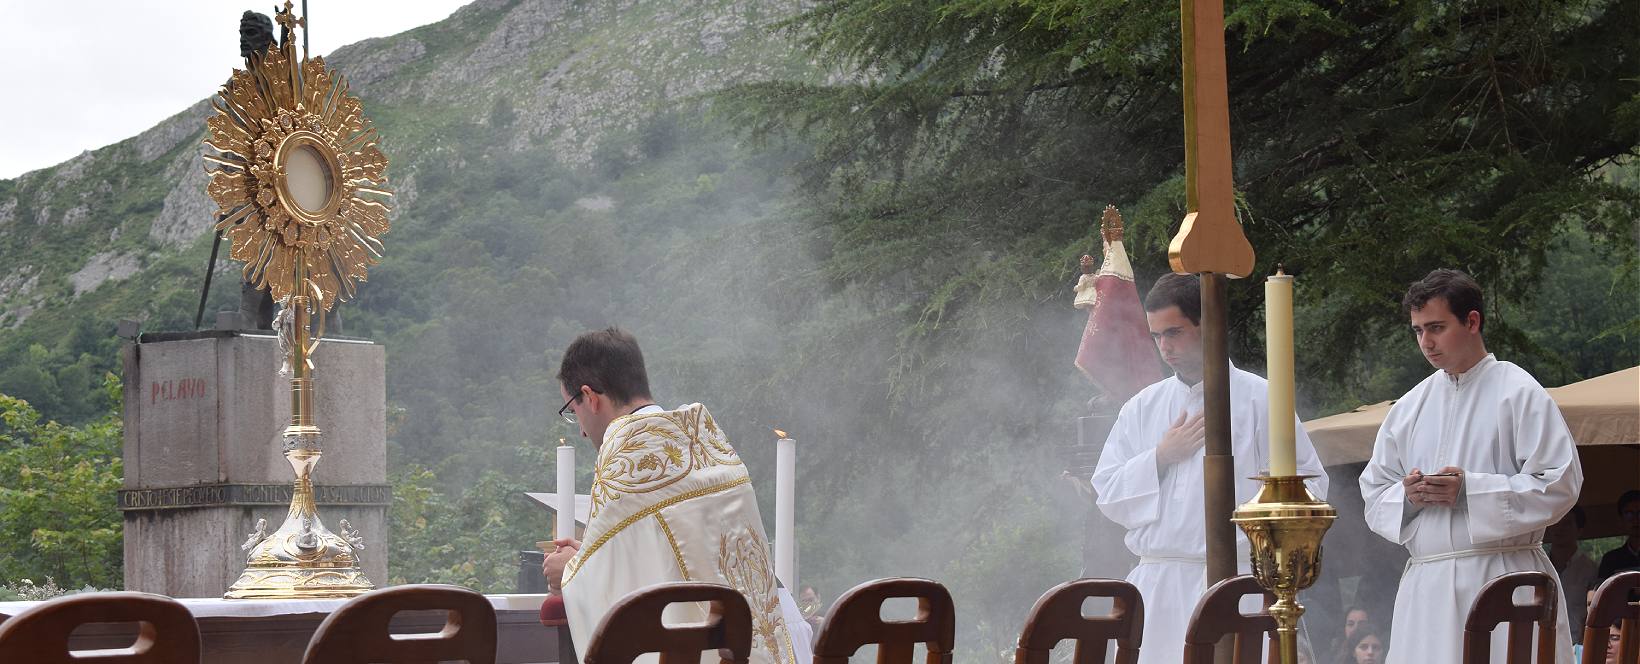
(208, 495)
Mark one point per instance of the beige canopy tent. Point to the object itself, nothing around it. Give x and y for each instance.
(1603, 414)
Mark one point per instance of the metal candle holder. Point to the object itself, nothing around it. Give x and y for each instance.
(1284, 525)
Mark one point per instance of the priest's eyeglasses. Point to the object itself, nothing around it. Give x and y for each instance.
(569, 415)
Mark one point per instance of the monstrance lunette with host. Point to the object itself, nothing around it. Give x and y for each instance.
(300, 187)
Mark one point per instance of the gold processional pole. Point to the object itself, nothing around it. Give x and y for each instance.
(299, 183)
(1284, 523)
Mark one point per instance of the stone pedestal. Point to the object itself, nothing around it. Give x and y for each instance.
(203, 417)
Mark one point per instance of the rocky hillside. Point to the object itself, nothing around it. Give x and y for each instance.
(109, 229)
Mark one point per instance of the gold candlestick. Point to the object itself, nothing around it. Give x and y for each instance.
(1284, 525)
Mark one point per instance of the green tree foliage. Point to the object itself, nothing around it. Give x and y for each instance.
(58, 518)
(1373, 142)
(62, 379)
(439, 538)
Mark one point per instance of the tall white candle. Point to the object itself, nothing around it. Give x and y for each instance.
(1278, 335)
(785, 511)
(566, 491)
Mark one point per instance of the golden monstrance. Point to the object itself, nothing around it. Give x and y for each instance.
(300, 188)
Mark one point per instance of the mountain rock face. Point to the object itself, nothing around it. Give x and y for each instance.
(178, 223)
(568, 74)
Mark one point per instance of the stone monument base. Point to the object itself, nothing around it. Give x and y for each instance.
(203, 416)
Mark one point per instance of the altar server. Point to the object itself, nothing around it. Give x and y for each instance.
(1468, 469)
(1149, 477)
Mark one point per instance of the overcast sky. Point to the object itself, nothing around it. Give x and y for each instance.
(81, 74)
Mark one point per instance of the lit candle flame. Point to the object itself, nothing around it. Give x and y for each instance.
(780, 433)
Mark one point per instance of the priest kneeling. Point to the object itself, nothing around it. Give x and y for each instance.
(671, 501)
(1468, 470)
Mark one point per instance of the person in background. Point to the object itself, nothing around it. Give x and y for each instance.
(1612, 646)
(814, 611)
(1576, 568)
(1354, 618)
(1366, 646)
(1626, 557)
(1614, 639)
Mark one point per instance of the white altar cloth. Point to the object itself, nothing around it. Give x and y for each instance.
(216, 607)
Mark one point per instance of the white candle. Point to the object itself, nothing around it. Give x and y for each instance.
(566, 491)
(785, 511)
(1278, 335)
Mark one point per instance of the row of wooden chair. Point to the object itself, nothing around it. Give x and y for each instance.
(1614, 608)
(634, 627)
(359, 632)
(167, 633)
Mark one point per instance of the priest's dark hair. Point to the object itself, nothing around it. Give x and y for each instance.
(608, 361)
(1461, 292)
(1177, 290)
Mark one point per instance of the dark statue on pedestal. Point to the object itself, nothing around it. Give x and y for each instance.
(255, 305)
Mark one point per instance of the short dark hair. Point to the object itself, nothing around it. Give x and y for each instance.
(1177, 290)
(609, 361)
(1630, 496)
(1461, 292)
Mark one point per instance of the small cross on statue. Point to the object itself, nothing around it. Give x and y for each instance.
(288, 23)
(288, 20)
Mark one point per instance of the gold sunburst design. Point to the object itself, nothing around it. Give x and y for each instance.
(299, 182)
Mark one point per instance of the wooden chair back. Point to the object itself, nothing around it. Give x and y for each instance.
(634, 627)
(1614, 607)
(1495, 605)
(1219, 615)
(166, 633)
(358, 632)
(1058, 616)
(856, 619)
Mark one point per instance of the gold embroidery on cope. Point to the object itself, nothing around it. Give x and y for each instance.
(743, 561)
(670, 539)
(651, 454)
(580, 559)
